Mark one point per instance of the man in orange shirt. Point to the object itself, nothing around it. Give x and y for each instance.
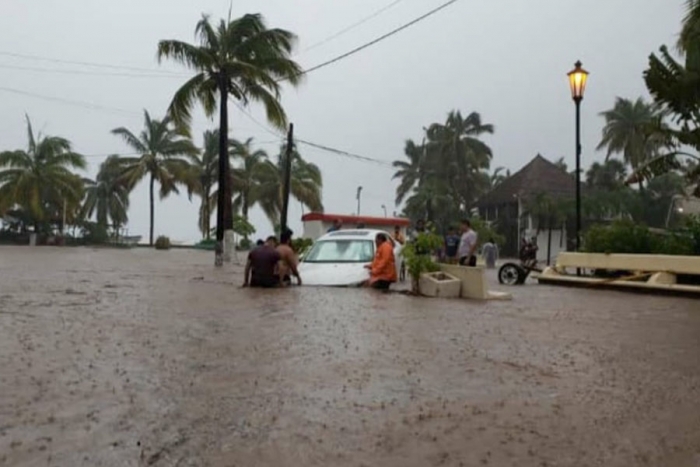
(382, 271)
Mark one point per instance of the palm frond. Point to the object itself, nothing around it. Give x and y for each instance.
(130, 139)
(196, 58)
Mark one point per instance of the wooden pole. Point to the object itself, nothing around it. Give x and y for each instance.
(287, 179)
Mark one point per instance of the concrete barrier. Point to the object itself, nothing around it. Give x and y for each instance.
(657, 273)
(666, 263)
(473, 282)
(439, 284)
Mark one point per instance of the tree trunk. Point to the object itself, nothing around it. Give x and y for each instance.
(150, 235)
(244, 212)
(223, 202)
(206, 212)
(549, 242)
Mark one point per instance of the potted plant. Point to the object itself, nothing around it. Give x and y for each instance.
(418, 256)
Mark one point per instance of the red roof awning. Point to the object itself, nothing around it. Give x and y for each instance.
(354, 220)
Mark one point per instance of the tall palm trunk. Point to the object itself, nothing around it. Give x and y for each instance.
(153, 208)
(206, 213)
(224, 219)
(549, 241)
(244, 211)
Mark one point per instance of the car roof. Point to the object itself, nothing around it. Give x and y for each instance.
(353, 234)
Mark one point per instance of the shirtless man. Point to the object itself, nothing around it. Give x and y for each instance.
(288, 260)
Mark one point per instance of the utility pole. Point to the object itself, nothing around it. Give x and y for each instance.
(63, 224)
(287, 178)
(359, 197)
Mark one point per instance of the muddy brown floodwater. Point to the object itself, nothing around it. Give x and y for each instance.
(145, 358)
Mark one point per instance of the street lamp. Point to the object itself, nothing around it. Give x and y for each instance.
(577, 80)
(384, 207)
(359, 192)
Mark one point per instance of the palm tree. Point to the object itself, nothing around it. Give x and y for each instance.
(203, 176)
(247, 177)
(676, 88)
(498, 176)
(461, 155)
(632, 129)
(448, 172)
(609, 176)
(161, 147)
(690, 33)
(40, 179)
(548, 214)
(242, 59)
(412, 172)
(561, 163)
(306, 183)
(107, 197)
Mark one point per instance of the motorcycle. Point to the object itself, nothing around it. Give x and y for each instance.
(517, 273)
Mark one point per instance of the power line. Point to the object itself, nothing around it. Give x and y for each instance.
(345, 153)
(322, 147)
(353, 26)
(90, 64)
(377, 40)
(83, 104)
(158, 73)
(90, 73)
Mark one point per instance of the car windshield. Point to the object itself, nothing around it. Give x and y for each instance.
(341, 251)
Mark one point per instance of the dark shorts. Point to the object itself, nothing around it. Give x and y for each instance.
(467, 261)
(381, 285)
(265, 283)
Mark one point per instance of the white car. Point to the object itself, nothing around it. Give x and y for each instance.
(339, 258)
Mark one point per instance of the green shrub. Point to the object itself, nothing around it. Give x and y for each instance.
(417, 264)
(692, 229)
(162, 243)
(94, 233)
(244, 244)
(625, 236)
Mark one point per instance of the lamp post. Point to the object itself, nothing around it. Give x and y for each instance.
(577, 81)
(384, 207)
(359, 193)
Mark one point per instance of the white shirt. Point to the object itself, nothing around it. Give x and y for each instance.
(466, 243)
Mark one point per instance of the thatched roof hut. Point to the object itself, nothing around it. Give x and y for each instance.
(538, 176)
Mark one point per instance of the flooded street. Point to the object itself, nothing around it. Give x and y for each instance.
(145, 358)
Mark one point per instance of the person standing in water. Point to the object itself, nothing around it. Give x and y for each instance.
(288, 260)
(490, 253)
(261, 267)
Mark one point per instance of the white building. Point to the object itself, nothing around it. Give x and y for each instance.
(316, 224)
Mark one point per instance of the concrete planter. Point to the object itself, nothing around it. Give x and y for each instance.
(473, 282)
(439, 284)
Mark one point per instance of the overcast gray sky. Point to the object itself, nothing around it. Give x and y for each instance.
(506, 59)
